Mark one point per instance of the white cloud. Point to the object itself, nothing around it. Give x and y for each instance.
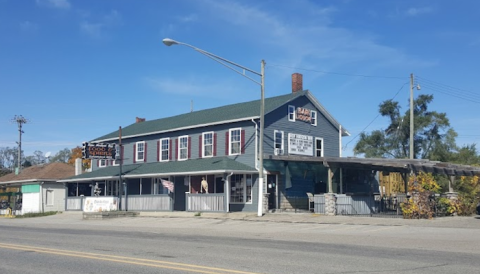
(96, 29)
(188, 18)
(57, 4)
(418, 11)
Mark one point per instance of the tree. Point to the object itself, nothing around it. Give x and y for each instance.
(8, 157)
(433, 137)
(62, 156)
(77, 153)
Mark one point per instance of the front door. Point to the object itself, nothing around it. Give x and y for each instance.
(272, 191)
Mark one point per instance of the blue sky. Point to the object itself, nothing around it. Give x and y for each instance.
(80, 69)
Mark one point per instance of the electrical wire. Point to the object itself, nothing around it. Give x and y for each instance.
(449, 90)
(337, 73)
(378, 115)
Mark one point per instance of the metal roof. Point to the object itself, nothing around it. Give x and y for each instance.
(390, 165)
(189, 167)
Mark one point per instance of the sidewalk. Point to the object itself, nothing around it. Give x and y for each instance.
(451, 222)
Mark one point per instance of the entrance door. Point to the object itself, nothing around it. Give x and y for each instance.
(272, 191)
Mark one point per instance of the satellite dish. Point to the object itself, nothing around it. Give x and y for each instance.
(47, 154)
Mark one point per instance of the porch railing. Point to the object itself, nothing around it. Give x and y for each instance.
(206, 202)
(160, 202)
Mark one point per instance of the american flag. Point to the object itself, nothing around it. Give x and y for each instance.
(169, 185)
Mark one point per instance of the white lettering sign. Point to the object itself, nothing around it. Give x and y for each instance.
(99, 204)
(300, 144)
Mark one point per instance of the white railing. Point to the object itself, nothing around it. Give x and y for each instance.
(161, 202)
(74, 203)
(206, 202)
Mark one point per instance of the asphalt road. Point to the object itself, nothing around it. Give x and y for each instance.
(67, 244)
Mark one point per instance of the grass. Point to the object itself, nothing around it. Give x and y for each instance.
(31, 215)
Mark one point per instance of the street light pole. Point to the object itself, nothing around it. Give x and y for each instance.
(225, 62)
(412, 151)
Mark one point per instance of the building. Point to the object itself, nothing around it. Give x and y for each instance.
(220, 146)
(37, 188)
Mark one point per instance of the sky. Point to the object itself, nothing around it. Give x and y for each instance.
(77, 70)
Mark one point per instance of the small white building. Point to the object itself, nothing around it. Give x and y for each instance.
(38, 189)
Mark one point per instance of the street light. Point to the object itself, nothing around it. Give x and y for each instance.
(223, 61)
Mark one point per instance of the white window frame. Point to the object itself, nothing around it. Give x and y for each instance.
(204, 144)
(278, 146)
(316, 148)
(102, 162)
(291, 113)
(115, 162)
(137, 151)
(183, 148)
(231, 141)
(246, 186)
(313, 117)
(50, 198)
(161, 150)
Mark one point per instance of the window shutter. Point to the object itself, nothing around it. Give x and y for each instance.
(176, 148)
(145, 152)
(98, 162)
(214, 144)
(134, 153)
(200, 146)
(158, 151)
(242, 144)
(189, 146)
(170, 148)
(226, 143)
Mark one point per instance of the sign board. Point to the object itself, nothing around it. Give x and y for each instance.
(99, 151)
(300, 144)
(100, 204)
(304, 114)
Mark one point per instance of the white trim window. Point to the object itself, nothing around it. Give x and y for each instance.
(102, 163)
(116, 162)
(207, 146)
(318, 147)
(241, 188)
(140, 151)
(164, 150)
(183, 147)
(313, 117)
(278, 142)
(234, 144)
(291, 113)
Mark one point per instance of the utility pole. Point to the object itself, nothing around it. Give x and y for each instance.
(411, 118)
(20, 120)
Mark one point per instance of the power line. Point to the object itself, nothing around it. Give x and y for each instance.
(337, 73)
(345, 147)
(449, 90)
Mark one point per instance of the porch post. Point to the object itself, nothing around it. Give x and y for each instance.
(330, 183)
(341, 180)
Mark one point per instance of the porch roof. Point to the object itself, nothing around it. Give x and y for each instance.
(390, 165)
(188, 167)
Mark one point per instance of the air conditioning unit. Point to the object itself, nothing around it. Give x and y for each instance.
(278, 151)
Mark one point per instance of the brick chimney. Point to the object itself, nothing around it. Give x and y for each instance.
(139, 120)
(297, 82)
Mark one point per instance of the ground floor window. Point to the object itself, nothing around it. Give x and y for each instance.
(241, 188)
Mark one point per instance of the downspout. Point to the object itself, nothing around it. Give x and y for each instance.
(256, 144)
(227, 182)
(340, 141)
(41, 196)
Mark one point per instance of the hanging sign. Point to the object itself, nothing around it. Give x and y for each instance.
(98, 151)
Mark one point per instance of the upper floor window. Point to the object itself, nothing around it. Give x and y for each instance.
(140, 151)
(102, 163)
(235, 141)
(164, 150)
(207, 146)
(278, 142)
(319, 147)
(313, 117)
(183, 147)
(291, 113)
